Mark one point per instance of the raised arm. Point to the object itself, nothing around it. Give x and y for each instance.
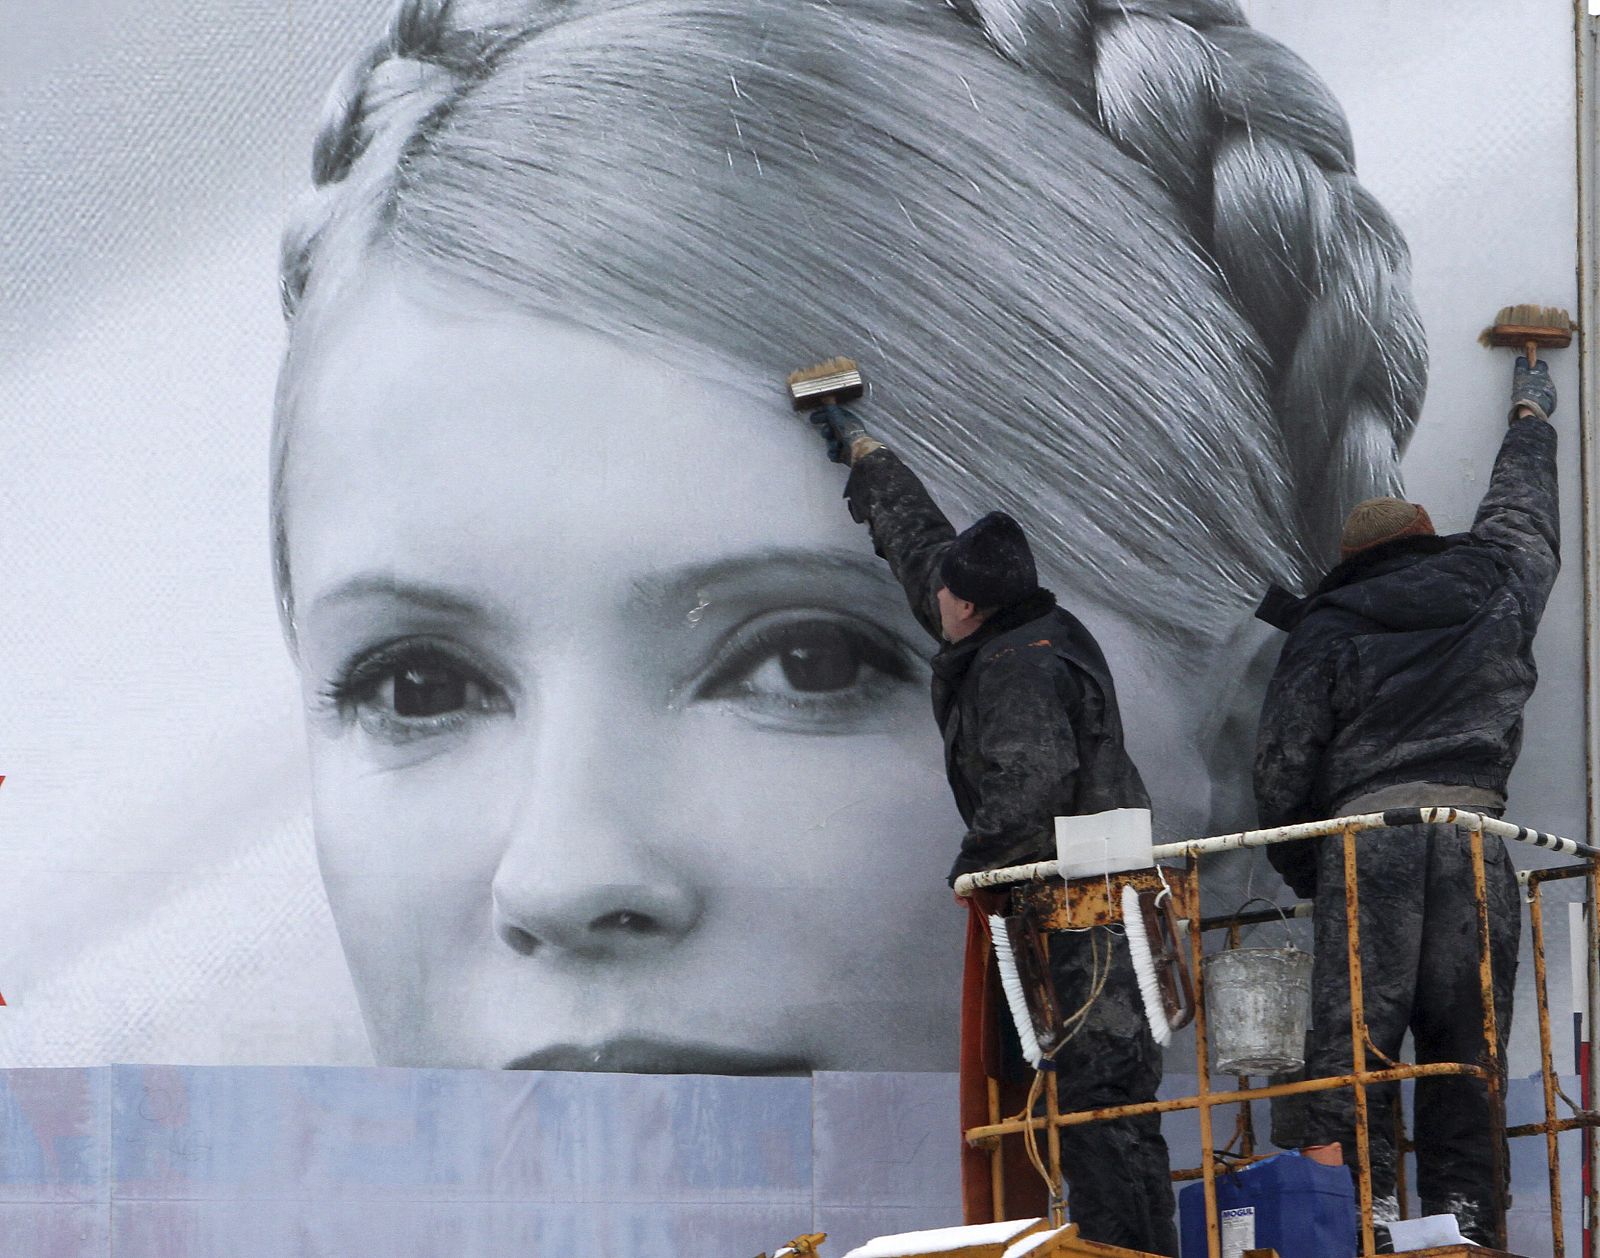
(1519, 515)
(908, 529)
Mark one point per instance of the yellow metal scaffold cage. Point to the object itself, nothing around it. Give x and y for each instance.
(1059, 904)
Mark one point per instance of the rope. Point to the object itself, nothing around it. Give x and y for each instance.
(1098, 975)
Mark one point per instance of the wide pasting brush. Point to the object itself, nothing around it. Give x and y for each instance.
(1530, 329)
(837, 380)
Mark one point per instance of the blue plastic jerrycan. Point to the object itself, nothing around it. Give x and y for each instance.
(1287, 1202)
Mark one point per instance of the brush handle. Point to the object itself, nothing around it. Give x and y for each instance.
(1533, 353)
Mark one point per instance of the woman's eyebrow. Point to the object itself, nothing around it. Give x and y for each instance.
(368, 586)
(775, 561)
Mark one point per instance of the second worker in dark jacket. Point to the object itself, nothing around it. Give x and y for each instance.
(1402, 683)
(1028, 712)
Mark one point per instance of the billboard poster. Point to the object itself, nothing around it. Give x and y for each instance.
(431, 639)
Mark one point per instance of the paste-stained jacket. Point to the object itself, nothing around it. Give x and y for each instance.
(1411, 662)
(1026, 704)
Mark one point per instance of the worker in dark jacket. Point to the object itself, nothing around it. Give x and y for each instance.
(1031, 730)
(1402, 683)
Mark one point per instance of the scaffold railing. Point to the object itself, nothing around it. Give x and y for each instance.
(1186, 884)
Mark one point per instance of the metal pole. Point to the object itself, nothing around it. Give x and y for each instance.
(1040, 871)
(1491, 1037)
(1389, 817)
(1432, 1070)
(1052, 1111)
(1591, 1079)
(1547, 1071)
(1202, 1068)
(1588, 224)
(1358, 1042)
(1561, 1124)
(997, 1160)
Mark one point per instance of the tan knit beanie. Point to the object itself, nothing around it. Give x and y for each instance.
(1380, 520)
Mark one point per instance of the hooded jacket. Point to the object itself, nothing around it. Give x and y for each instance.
(1412, 661)
(1026, 704)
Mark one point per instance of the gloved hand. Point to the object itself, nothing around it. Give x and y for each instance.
(839, 428)
(1531, 387)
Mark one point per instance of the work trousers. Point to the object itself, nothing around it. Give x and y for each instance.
(1119, 1187)
(1419, 963)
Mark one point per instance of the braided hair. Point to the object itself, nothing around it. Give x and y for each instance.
(1108, 260)
(1258, 150)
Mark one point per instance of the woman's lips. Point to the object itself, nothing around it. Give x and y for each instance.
(643, 1056)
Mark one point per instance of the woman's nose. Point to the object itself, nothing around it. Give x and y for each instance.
(588, 868)
(593, 914)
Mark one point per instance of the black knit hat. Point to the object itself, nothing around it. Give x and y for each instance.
(989, 564)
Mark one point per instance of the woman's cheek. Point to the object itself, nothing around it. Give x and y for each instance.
(399, 849)
(408, 866)
(865, 811)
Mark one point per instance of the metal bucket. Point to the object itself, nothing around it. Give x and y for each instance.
(1256, 1005)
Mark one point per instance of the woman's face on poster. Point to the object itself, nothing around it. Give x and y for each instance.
(620, 739)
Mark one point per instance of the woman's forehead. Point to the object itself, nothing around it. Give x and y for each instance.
(482, 437)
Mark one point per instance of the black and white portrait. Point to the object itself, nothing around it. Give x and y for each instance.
(433, 640)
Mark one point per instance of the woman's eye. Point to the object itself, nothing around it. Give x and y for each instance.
(427, 690)
(807, 665)
(814, 661)
(413, 689)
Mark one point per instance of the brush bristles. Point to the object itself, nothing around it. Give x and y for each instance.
(1552, 317)
(838, 377)
(1515, 326)
(1144, 967)
(829, 367)
(1011, 983)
